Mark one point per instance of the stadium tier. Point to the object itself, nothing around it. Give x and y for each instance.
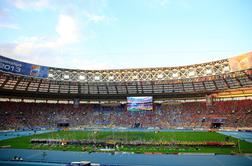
(189, 115)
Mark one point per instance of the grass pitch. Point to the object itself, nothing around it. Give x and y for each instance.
(126, 137)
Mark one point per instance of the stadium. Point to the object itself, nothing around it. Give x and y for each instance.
(172, 110)
(125, 83)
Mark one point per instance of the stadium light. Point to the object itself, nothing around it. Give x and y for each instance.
(81, 77)
(97, 78)
(175, 75)
(135, 77)
(66, 77)
(226, 69)
(191, 73)
(111, 77)
(208, 71)
(160, 76)
(50, 75)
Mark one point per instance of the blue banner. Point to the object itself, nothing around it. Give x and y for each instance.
(17, 67)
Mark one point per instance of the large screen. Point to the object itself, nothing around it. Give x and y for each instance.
(140, 103)
(241, 62)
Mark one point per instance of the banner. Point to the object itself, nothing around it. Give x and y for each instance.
(241, 62)
(209, 100)
(22, 68)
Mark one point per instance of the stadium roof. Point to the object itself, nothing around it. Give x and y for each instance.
(22, 80)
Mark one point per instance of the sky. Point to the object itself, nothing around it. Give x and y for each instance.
(119, 34)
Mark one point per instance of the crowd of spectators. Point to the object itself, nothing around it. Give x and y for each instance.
(20, 115)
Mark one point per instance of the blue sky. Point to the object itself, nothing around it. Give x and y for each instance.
(109, 34)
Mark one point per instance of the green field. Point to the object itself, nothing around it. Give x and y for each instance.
(128, 137)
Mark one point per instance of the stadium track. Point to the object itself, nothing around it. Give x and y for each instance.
(121, 159)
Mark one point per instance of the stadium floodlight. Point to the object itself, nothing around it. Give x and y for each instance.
(50, 75)
(66, 77)
(97, 78)
(191, 73)
(135, 77)
(208, 71)
(160, 76)
(111, 77)
(226, 69)
(175, 75)
(81, 77)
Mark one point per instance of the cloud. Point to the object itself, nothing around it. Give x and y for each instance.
(184, 4)
(64, 47)
(98, 18)
(30, 4)
(67, 29)
(79, 62)
(54, 57)
(2, 14)
(9, 26)
(67, 33)
(95, 18)
(6, 20)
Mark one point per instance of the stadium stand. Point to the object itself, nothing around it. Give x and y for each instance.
(233, 114)
(193, 96)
